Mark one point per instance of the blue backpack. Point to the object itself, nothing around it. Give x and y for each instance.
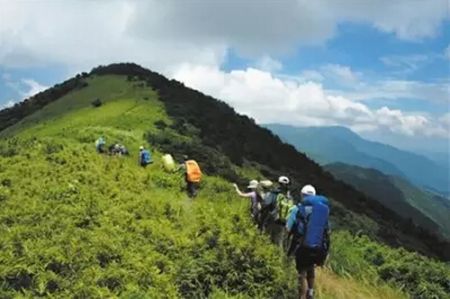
(146, 157)
(313, 216)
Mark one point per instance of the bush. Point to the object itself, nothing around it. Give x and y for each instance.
(96, 103)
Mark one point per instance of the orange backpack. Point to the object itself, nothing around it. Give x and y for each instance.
(194, 174)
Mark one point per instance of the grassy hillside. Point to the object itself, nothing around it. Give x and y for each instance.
(77, 224)
(420, 207)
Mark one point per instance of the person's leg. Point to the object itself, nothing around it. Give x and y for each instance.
(277, 234)
(282, 235)
(302, 285)
(310, 277)
(191, 189)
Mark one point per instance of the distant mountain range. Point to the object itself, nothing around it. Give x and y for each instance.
(338, 144)
(422, 208)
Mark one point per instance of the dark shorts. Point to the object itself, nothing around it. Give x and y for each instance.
(306, 258)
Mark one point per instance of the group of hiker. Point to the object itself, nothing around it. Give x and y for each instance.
(191, 169)
(300, 228)
(113, 149)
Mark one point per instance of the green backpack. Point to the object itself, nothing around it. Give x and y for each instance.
(284, 206)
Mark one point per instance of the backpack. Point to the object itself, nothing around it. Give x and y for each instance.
(146, 157)
(277, 205)
(193, 172)
(99, 143)
(312, 220)
(168, 162)
(270, 200)
(284, 206)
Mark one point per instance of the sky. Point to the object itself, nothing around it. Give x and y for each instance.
(379, 67)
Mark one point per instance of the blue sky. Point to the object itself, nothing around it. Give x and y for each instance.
(379, 68)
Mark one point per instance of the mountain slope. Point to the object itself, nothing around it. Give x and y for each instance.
(420, 207)
(320, 143)
(74, 222)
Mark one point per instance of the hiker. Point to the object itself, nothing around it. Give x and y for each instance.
(113, 149)
(276, 206)
(145, 157)
(123, 150)
(192, 175)
(265, 188)
(100, 145)
(255, 198)
(308, 223)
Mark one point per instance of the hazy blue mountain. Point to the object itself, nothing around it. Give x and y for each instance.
(421, 207)
(338, 144)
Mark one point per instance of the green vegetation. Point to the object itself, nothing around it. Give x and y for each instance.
(420, 207)
(74, 223)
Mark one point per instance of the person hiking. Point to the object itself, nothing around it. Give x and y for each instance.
(100, 145)
(255, 198)
(308, 223)
(123, 150)
(192, 175)
(265, 190)
(276, 205)
(145, 157)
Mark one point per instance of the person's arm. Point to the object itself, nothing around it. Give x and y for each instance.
(241, 193)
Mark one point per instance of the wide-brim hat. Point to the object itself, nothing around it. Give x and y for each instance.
(253, 184)
(266, 183)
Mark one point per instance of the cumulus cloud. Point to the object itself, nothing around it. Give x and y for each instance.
(271, 99)
(32, 87)
(355, 86)
(8, 104)
(164, 34)
(266, 63)
(392, 89)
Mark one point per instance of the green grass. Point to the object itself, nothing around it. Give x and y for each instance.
(76, 224)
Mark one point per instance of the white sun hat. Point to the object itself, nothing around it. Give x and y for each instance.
(253, 184)
(266, 183)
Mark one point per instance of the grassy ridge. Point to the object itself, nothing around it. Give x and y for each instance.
(77, 224)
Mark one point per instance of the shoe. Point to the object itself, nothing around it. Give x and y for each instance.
(310, 294)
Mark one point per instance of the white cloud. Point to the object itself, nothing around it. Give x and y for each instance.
(270, 99)
(356, 86)
(266, 63)
(392, 89)
(311, 75)
(8, 104)
(32, 88)
(164, 34)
